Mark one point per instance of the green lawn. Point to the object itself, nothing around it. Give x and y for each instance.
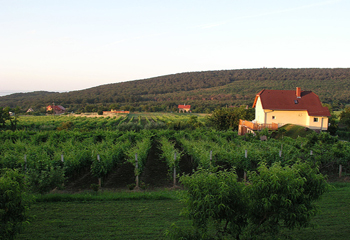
(125, 218)
(130, 219)
(333, 221)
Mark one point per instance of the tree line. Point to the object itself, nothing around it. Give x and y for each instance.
(203, 90)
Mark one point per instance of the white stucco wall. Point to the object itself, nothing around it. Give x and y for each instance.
(259, 111)
(322, 122)
(285, 117)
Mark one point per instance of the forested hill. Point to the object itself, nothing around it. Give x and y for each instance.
(207, 89)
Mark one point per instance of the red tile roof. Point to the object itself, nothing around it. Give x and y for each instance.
(288, 100)
(56, 108)
(184, 106)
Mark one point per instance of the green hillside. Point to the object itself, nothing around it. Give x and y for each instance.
(203, 90)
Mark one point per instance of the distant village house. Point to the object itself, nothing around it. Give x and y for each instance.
(276, 108)
(30, 110)
(56, 109)
(115, 112)
(184, 108)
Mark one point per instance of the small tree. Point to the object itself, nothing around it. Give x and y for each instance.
(345, 117)
(46, 178)
(282, 197)
(228, 118)
(215, 197)
(274, 198)
(13, 203)
(5, 116)
(333, 125)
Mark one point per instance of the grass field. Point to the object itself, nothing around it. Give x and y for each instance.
(333, 221)
(129, 219)
(87, 216)
(129, 215)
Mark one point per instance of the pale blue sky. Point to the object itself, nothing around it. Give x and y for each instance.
(64, 45)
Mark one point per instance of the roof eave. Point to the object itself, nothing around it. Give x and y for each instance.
(256, 98)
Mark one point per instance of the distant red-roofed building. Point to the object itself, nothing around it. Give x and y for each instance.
(184, 108)
(275, 108)
(56, 109)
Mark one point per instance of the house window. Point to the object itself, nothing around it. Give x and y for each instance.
(315, 119)
(273, 117)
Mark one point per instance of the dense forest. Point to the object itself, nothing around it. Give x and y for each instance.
(205, 91)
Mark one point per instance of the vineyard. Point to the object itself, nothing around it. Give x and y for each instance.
(135, 121)
(74, 153)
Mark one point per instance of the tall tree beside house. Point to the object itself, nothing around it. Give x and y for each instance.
(228, 118)
(345, 117)
(333, 124)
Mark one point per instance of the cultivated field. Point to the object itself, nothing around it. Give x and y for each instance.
(84, 168)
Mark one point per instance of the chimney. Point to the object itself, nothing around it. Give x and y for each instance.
(298, 92)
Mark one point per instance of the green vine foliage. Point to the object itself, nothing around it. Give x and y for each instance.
(141, 148)
(43, 150)
(168, 152)
(45, 178)
(111, 155)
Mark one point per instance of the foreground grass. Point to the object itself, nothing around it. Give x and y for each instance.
(102, 220)
(333, 221)
(147, 215)
(121, 215)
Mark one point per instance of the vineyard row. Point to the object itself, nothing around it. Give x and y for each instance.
(39, 154)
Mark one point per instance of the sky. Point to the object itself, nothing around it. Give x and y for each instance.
(66, 45)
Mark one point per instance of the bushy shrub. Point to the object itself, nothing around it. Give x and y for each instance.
(13, 203)
(275, 197)
(228, 118)
(44, 179)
